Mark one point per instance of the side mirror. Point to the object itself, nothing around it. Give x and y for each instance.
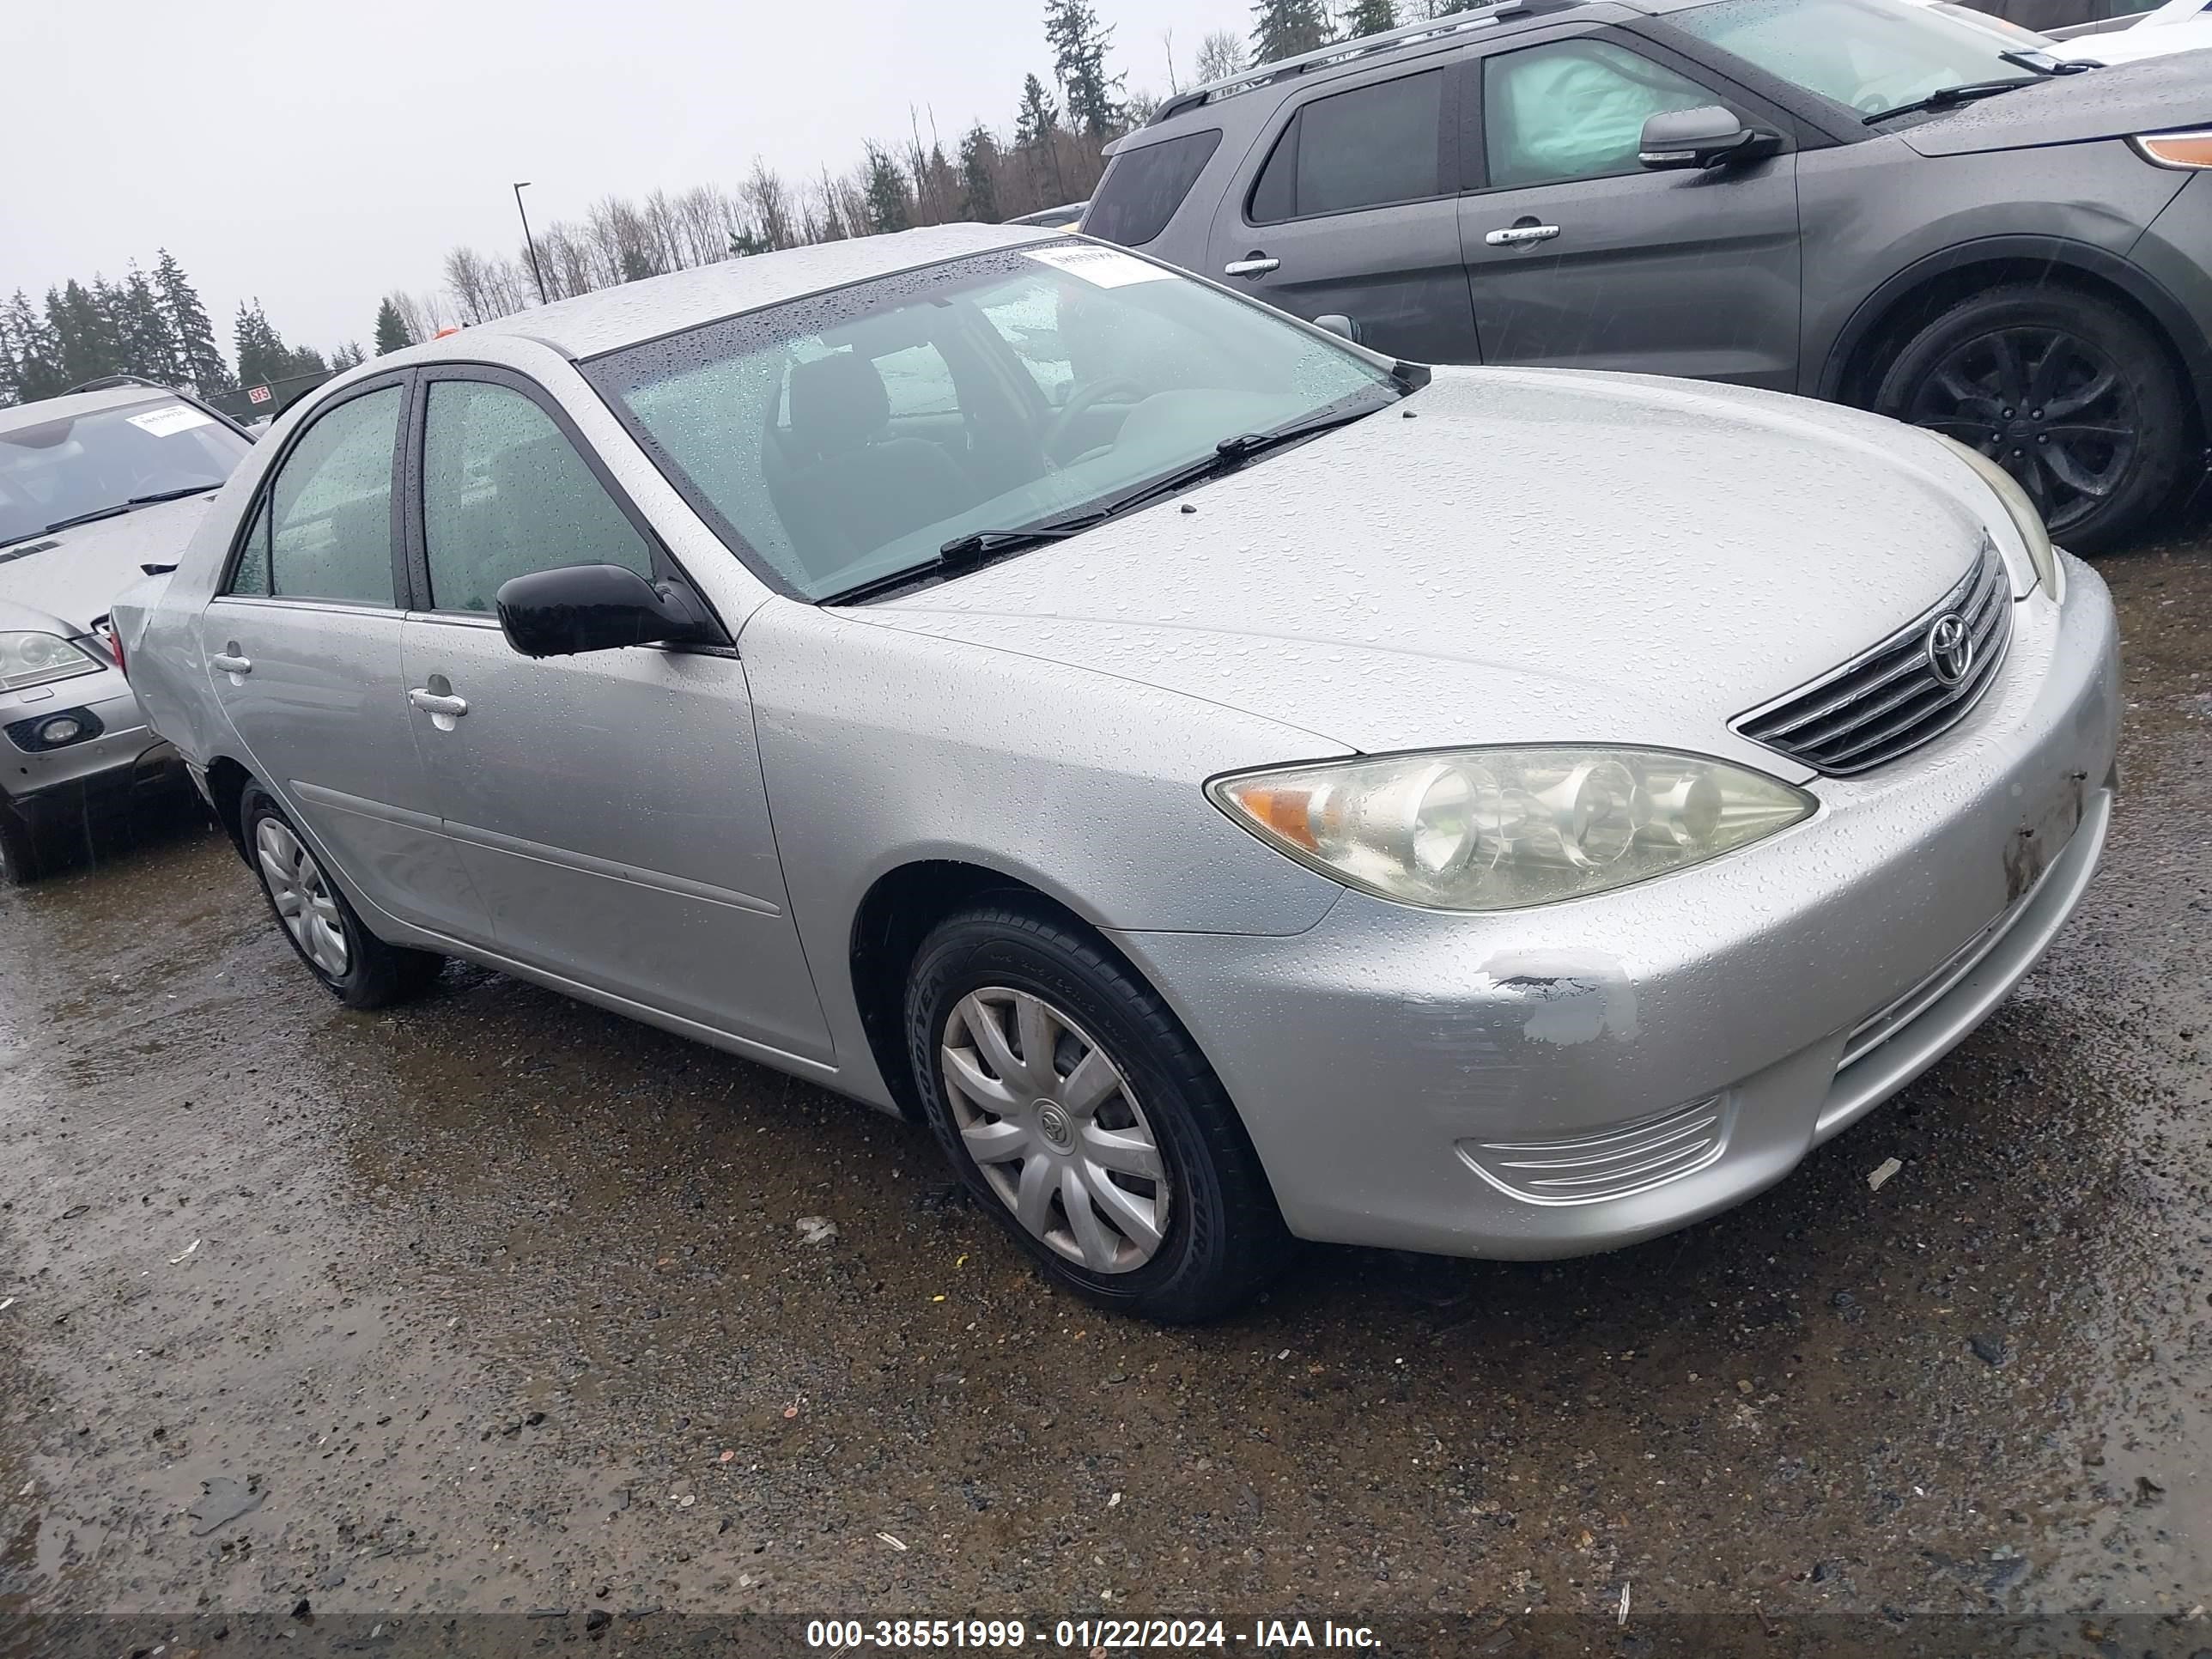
(1707, 136)
(1338, 325)
(598, 607)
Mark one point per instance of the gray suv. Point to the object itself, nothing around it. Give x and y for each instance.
(1860, 200)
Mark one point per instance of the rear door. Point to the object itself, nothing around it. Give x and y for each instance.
(609, 807)
(302, 647)
(1354, 211)
(1580, 259)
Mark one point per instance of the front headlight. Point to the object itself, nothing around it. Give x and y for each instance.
(37, 659)
(2021, 511)
(1499, 828)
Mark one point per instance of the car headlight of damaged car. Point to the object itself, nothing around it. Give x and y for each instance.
(2023, 513)
(37, 659)
(1500, 829)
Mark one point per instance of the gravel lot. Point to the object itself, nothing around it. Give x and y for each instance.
(496, 1304)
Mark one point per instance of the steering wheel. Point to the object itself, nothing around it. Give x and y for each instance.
(1064, 418)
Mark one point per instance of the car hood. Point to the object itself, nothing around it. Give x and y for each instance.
(1538, 555)
(75, 574)
(2150, 96)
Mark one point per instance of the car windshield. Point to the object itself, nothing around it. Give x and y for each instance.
(842, 438)
(1873, 55)
(78, 466)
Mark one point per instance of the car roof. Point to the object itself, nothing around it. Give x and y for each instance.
(611, 317)
(1340, 57)
(16, 417)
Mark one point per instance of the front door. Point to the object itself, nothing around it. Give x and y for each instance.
(1579, 258)
(1353, 213)
(302, 644)
(610, 808)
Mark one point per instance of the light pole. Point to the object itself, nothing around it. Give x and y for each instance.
(536, 269)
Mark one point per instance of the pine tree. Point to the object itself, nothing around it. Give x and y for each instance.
(348, 356)
(34, 354)
(84, 332)
(1036, 135)
(198, 357)
(979, 178)
(263, 356)
(1287, 27)
(1365, 17)
(889, 207)
(149, 346)
(1079, 60)
(391, 328)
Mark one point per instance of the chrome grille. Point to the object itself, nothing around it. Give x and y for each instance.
(1609, 1163)
(1888, 702)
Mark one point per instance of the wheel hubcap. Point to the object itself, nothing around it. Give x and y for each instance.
(1055, 1128)
(304, 901)
(2048, 406)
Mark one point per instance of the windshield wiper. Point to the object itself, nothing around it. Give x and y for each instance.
(964, 552)
(114, 512)
(1946, 97)
(176, 495)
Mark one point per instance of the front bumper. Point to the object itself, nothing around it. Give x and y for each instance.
(125, 762)
(1554, 1081)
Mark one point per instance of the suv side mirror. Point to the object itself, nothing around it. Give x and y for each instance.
(598, 607)
(1338, 325)
(1707, 136)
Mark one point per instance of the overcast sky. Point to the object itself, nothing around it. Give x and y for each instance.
(319, 156)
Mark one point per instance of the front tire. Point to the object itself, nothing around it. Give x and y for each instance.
(1081, 1114)
(350, 962)
(2072, 395)
(25, 856)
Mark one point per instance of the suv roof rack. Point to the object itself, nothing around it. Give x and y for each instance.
(1344, 52)
(109, 382)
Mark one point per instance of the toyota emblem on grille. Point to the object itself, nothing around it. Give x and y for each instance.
(1950, 647)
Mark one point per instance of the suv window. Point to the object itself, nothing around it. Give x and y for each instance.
(1144, 187)
(1574, 109)
(323, 529)
(504, 494)
(1356, 149)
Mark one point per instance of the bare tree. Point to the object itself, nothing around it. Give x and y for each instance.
(1220, 55)
(766, 199)
(465, 281)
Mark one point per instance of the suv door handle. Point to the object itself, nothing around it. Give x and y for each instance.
(1256, 264)
(231, 665)
(432, 703)
(1521, 235)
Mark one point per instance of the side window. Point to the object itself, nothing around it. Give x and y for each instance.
(1357, 149)
(505, 494)
(330, 506)
(1574, 109)
(1143, 187)
(252, 574)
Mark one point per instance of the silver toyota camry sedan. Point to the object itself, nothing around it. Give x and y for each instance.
(1234, 788)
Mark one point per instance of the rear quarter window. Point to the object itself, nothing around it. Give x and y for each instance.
(1144, 187)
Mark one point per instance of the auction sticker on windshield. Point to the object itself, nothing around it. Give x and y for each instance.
(1102, 267)
(173, 418)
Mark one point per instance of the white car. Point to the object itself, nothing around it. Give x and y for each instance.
(2177, 26)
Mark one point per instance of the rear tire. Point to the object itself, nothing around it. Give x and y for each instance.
(2072, 395)
(1118, 1101)
(318, 922)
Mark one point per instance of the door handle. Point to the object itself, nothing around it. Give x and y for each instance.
(230, 663)
(432, 703)
(1256, 265)
(1520, 235)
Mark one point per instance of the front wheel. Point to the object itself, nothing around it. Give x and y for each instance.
(26, 855)
(1081, 1114)
(2069, 393)
(350, 962)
